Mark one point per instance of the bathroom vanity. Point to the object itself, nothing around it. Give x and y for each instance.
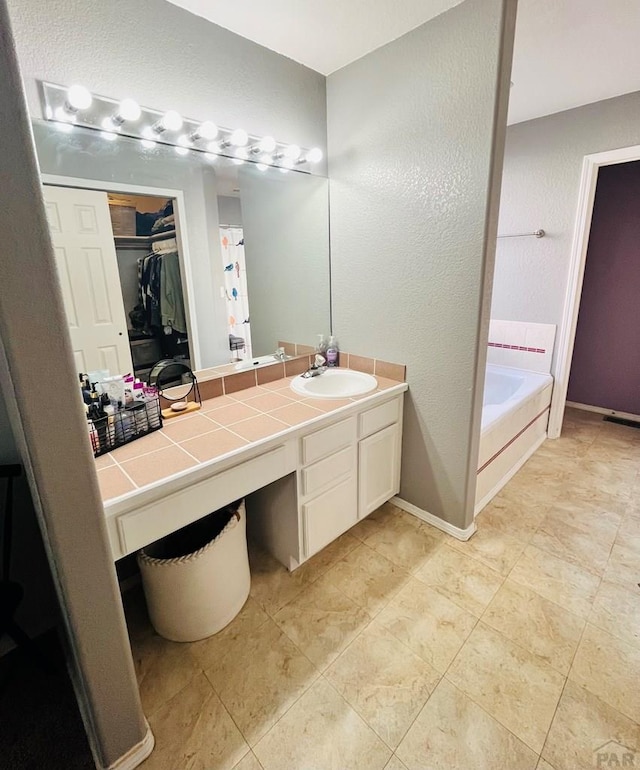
(305, 483)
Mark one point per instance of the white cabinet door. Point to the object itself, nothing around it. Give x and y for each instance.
(88, 269)
(327, 516)
(379, 469)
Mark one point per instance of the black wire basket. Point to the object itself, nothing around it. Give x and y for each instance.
(133, 421)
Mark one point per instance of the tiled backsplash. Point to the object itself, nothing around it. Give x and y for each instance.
(522, 345)
(352, 361)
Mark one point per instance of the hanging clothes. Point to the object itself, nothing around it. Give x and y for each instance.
(161, 300)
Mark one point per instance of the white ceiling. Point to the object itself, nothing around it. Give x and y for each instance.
(567, 52)
(325, 35)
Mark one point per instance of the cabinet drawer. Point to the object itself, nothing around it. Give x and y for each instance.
(178, 509)
(327, 441)
(318, 475)
(379, 469)
(379, 417)
(329, 515)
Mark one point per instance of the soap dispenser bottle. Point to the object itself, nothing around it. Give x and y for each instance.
(333, 352)
(322, 345)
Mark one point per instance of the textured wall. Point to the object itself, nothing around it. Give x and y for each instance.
(168, 59)
(63, 483)
(605, 368)
(411, 136)
(542, 168)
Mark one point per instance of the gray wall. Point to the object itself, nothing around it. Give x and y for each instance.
(411, 139)
(286, 247)
(229, 210)
(167, 58)
(63, 484)
(542, 168)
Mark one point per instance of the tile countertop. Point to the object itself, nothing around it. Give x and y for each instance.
(223, 427)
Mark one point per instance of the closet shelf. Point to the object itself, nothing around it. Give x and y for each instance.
(142, 240)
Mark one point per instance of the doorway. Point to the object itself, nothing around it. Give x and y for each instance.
(120, 264)
(567, 330)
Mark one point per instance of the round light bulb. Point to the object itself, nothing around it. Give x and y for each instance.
(148, 133)
(182, 150)
(315, 155)
(148, 144)
(207, 131)
(292, 152)
(241, 152)
(108, 135)
(171, 121)
(129, 109)
(261, 166)
(286, 163)
(239, 137)
(267, 144)
(109, 125)
(79, 98)
(63, 115)
(213, 147)
(266, 159)
(184, 141)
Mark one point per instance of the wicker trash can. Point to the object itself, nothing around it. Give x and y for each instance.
(196, 580)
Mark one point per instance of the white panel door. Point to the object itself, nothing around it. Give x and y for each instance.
(87, 265)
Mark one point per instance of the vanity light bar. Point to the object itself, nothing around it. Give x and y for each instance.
(77, 106)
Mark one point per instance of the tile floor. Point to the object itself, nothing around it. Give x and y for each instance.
(398, 647)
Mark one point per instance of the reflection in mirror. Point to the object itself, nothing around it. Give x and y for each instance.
(196, 257)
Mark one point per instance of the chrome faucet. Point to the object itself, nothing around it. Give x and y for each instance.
(318, 368)
(280, 355)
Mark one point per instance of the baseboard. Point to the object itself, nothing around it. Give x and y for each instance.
(137, 754)
(509, 475)
(602, 410)
(435, 521)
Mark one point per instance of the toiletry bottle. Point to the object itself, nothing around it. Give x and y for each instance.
(322, 345)
(333, 352)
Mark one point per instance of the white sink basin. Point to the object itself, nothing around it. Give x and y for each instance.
(335, 383)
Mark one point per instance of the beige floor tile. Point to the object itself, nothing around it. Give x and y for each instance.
(322, 732)
(272, 586)
(540, 626)
(623, 568)
(533, 491)
(544, 765)
(573, 543)
(428, 623)
(248, 762)
(493, 548)
(368, 578)
(321, 621)
(403, 543)
(617, 611)
(384, 681)
(467, 582)
(163, 668)
(583, 725)
(395, 764)
(453, 733)
(555, 579)
(517, 688)
(578, 490)
(516, 520)
(629, 533)
(245, 625)
(379, 518)
(193, 730)
(318, 565)
(610, 669)
(260, 678)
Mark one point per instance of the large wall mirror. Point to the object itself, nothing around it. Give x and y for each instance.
(186, 255)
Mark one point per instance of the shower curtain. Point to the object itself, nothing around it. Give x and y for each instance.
(235, 286)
